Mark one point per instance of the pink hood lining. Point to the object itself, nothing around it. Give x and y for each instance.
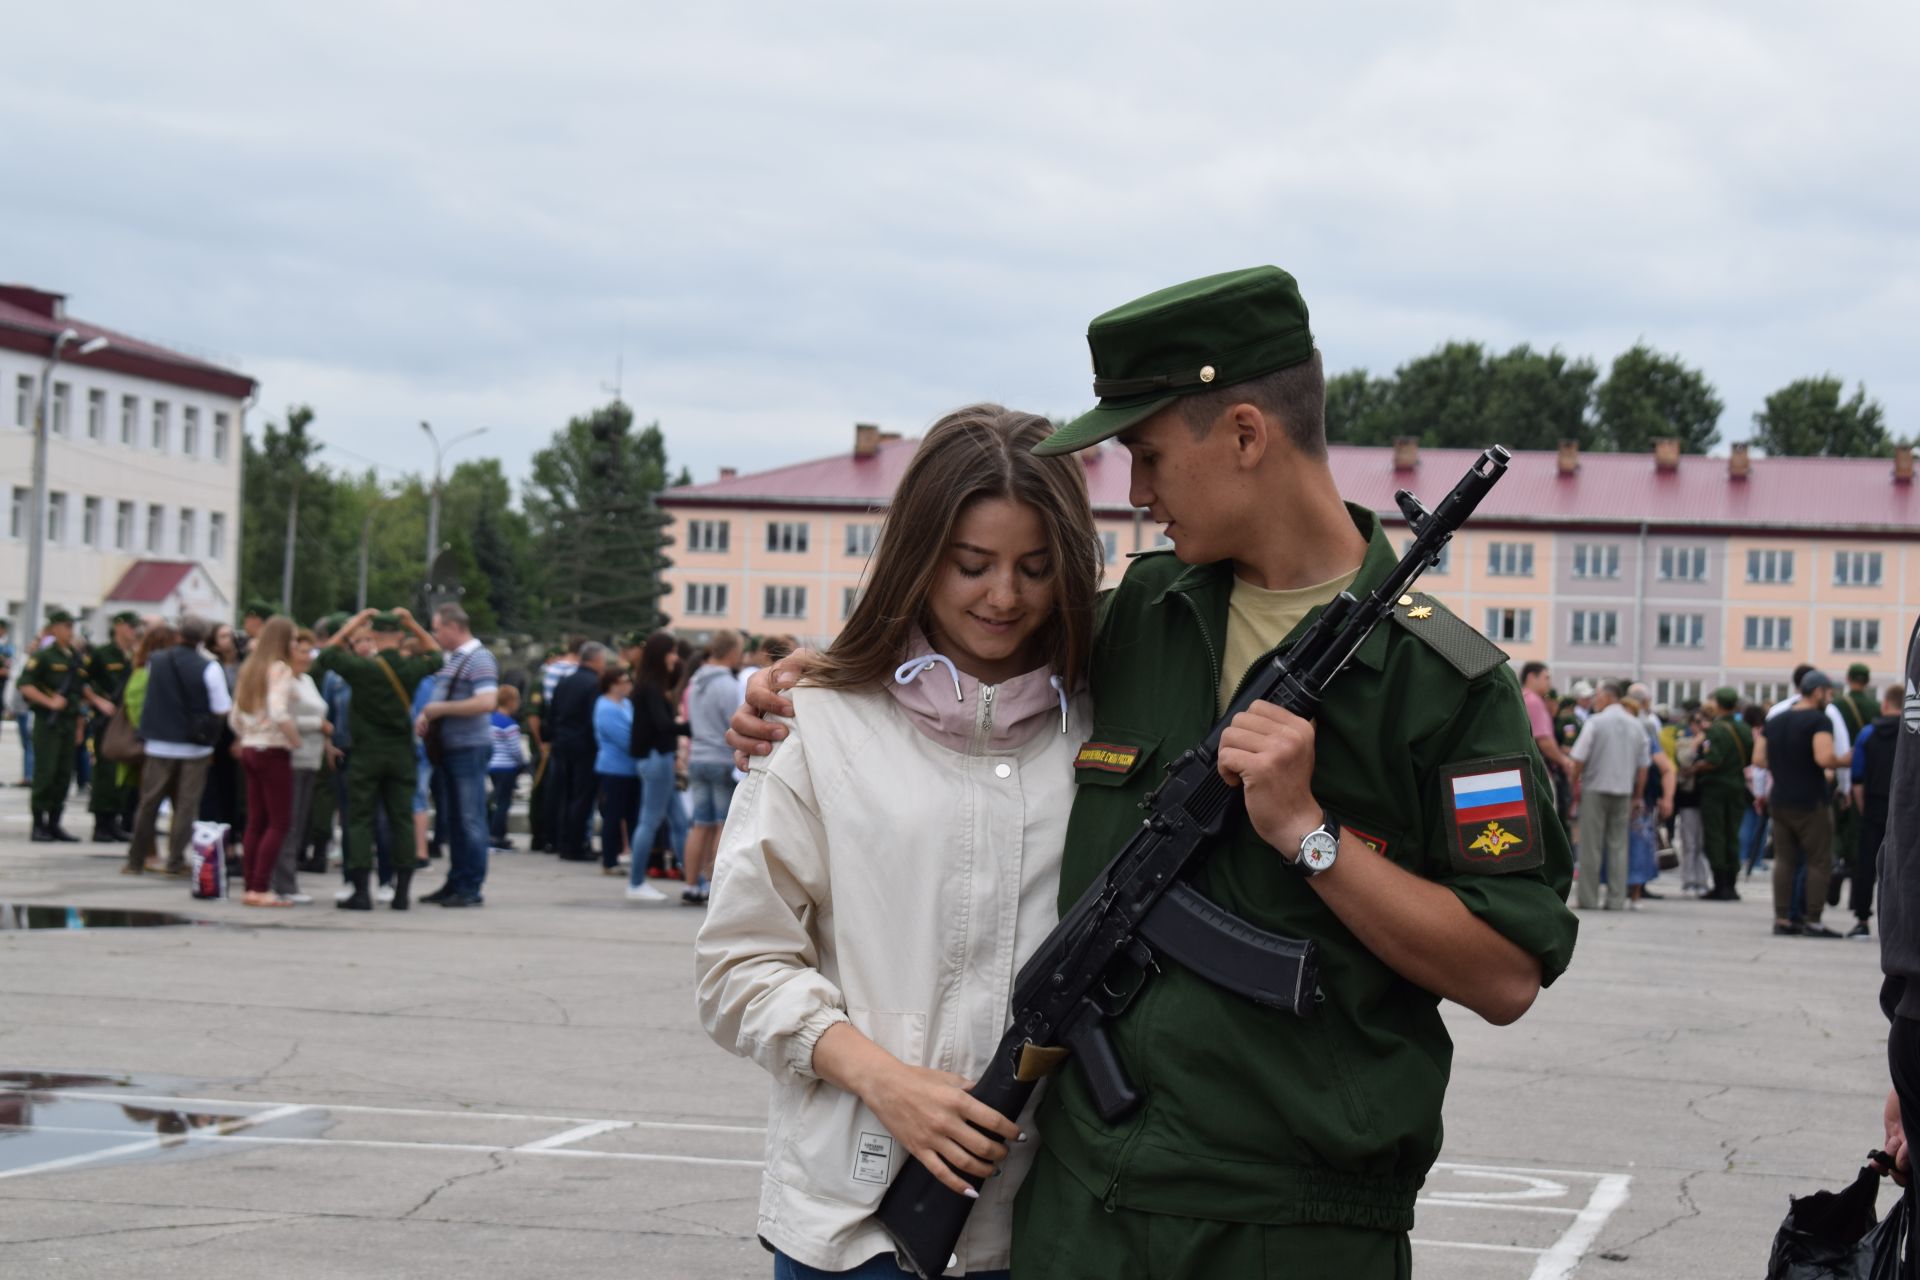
(1023, 707)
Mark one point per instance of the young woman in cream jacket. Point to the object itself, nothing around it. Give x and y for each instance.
(885, 872)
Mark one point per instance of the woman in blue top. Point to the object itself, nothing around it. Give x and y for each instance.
(619, 781)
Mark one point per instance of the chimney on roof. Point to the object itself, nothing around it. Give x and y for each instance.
(1739, 460)
(1666, 454)
(728, 473)
(888, 437)
(866, 439)
(51, 305)
(1569, 461)
(1903, 464)
(1406, 453)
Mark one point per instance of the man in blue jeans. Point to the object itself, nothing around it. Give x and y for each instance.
(711, 698)
(468, 687)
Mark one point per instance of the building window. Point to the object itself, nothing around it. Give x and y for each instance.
(1769, 566)
(222, 425)
(786, 602)
(1510, 559)
(1682, 630)
(1856, 635)
(1764, 692)
(156, 527)
(1510, 624)
(62, 404)
(1596, 560)
(1683, 564)
(1676, 693)
(787, 535)
(1109, 547)
(90, 522)
(23, 401)
(1769, 633)
(96, 414)
(56, 518)
(706, 599)
(1856, 569)
(190, 431)
(217, 536)
(1442, 565)
(860, 539)
(161, 426)
(186, 531)
(706, 535)
(849, 597)
(1596, 626)
(18, 513)
(123, 526)
(129, 418)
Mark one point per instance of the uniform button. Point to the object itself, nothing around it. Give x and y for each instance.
(1003, 770)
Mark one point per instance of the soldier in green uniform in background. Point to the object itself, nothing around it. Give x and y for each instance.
(51, 685)
(1721, 781)
(255, 617)
(1866, 707)
(109, 797)
(380, 722)
(539, 839)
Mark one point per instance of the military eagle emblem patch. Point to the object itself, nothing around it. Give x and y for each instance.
(1490, 809)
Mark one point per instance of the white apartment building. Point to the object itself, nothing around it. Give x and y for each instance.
(143, 460)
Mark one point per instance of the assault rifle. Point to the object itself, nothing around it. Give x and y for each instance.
(1093, 964)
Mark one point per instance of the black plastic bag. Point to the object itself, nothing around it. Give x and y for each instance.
(1833, 1235)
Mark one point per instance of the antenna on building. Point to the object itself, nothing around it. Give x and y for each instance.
(619, 370)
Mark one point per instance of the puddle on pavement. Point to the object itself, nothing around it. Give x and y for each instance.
(42, 1126)
(16, 915)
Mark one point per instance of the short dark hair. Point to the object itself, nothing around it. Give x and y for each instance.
(1895, 694)
(1800, 673)
(1530, 670)
(193, 630)
(1296, 395)
(1613, 689)
(613, 675)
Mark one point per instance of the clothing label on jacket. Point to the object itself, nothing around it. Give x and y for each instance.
(874, 1160)
(1106, 757)
(1491, 814)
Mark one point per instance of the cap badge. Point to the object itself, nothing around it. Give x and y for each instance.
(1206, 373)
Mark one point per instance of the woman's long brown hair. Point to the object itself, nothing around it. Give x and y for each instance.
(981, 451)
(274, 645)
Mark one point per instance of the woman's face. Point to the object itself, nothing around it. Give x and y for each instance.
(300, 658)
(223, 641)
(619, 689)
(993, 590)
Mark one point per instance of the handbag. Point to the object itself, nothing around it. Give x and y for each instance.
(203, 727)
(432, 744)
(122, 743)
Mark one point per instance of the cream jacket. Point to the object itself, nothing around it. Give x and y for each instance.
(870, 873)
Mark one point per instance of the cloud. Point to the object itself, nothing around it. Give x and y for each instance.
(788, 218)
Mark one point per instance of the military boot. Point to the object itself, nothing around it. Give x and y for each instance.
(40, 833)
(57, 831)
(360, 900)
(402, 882)
(105, 830)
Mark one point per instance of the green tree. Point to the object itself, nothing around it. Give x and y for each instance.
(1460, 396)
(600, 535)
(1648, 395)
(1808, 419)
(1355, 402)
(280, 467)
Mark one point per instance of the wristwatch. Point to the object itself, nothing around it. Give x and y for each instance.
(1318, 848)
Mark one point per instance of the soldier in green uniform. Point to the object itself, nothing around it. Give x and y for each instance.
(52, 685)
(1721, 773)
(380, 723)
(1866, 707)
(106, 672)
(1268, 1145)
(255, 617)
(539, 839)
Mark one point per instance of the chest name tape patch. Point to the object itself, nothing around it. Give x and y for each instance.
(1106, 757)
(1491, 815)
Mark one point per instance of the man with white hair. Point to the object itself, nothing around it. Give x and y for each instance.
(1610, 760)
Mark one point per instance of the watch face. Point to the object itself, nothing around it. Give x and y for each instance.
(1318, 850)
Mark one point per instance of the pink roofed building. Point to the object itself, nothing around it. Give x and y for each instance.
(1689, 572)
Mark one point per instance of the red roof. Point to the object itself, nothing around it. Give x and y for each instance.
(1808, 494)
(30, 319)
(150, 581)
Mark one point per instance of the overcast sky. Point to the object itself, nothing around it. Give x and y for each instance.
(790, 217)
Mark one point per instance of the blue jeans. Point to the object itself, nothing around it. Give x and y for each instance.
(659, 799)
(710, 787)
(879, 1267)
(25, 721)
(503, 783)
(1753, 839)
(465, 770)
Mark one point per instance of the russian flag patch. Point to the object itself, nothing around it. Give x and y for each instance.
(1490, 810)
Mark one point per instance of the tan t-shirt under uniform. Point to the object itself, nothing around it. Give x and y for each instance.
(1259, 619)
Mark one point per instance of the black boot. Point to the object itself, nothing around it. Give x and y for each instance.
(59, 832)
(40, 833)
(402, 882)
(104, 830)
(361, 900)
(439, 895)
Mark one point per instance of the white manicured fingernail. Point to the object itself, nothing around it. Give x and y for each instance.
(972, 1194)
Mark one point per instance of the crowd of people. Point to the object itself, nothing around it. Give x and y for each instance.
(1720, 789)
(402, 742)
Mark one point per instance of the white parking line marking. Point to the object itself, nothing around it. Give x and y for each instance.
(1468, 1244)
(1559, 1262)
(578, 1134)
(165, 1099)
(1447, 1202)
(224, 1129)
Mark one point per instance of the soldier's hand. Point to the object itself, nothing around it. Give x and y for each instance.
(748, 732)
(56, 702)
(1268, 753)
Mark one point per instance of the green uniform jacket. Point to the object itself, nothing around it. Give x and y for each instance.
(48, 670)
(1729, 752)
(380, 717)
(1866, 707)
(106, 671)
(1252, 1115)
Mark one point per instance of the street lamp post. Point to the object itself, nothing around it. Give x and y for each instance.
(37, 535)
(440, 451)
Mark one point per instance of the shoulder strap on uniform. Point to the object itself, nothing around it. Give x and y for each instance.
(394, 680)
(1448, 634)
(1739, 747)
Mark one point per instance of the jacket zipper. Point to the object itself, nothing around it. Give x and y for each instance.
(983, 719)
(1213, 658)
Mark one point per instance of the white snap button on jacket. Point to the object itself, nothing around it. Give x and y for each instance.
(1003, 770)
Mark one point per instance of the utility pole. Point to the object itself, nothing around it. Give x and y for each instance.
(366, 539)
(286, 559)
(440, 451)
(37, 533)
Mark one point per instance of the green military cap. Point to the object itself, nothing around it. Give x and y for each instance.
(56, 615)
(334, 621)
(387, 622)
(1859, 672)
(127, 616)
(1194, 337)
(1726, 697)
(258, 608)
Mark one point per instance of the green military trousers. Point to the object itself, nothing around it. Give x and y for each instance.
(53, 750)
(1721, 812)
(379, 775)
(1062, 1231)
(108, 795)
(319, 833)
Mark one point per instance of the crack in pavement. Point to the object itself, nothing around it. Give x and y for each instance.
(165, 1226)
(496, 1165)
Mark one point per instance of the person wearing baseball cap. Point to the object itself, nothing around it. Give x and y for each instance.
(51, 686)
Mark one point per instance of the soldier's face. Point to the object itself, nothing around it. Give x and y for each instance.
(993, 589)
(62, 631)
(1183, 483)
